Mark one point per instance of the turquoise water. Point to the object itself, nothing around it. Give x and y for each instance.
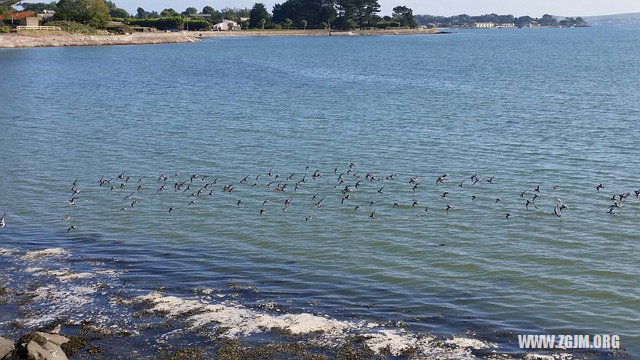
(551, 107)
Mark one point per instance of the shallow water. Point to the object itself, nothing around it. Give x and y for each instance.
(548, 107)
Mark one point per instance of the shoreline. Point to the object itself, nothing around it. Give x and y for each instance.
(63, 39)
(90, 301)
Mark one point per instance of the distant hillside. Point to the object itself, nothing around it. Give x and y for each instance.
(614, 20)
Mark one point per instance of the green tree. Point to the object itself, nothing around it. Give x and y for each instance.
(169, 13)
(548, 20)
(140, 13)
(235, 14)
(580, 22)
(358, 12)
(115, 11)
(119, 13)
(39, 7)
(216, 16)
(190, 11)
(304, 23)
(257, 14)
(404, 16)
(90, 12)
(328, 14)
(314, 11)
(287, 23)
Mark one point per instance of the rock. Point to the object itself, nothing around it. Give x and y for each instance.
(44, 346)
(6, 348)
(53, 338)
(55, 351)
(37, 352)
(74, 344)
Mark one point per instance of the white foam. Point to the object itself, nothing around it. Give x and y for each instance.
(34, 269)
(39, 254)
(234, 320)
(561, 356)
(109, 272)
(390, 340)
(68, 275)
(469, 343)
(63, 274)
(61, 302)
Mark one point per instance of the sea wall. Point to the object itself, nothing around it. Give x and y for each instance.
(34, 39)
(21, 41)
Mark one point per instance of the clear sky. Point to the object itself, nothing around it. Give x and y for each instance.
(534, 8)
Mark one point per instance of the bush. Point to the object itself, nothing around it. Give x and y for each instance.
(342, 23)
(197, 25)
(4, 29)
(163, 23)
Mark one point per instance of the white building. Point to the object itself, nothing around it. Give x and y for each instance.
(507, 25)
(484, 25)
(46, 15)
(226, 25)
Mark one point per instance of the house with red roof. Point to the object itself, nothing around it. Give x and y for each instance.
(24, 18)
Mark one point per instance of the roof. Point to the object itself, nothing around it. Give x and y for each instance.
(19, 15)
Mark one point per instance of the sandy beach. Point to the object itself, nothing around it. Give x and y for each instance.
(63, 39)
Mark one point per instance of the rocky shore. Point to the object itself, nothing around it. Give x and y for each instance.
(41, 346)
(51, 40)
(55, 305)
(55, 39)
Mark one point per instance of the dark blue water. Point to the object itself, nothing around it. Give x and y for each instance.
(552, 107)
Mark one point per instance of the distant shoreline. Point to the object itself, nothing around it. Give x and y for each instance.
(57, 39)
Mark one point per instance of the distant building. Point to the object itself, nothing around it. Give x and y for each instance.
(226, 25)
(46, 15)
(532, 24)
(484, 25)
(31, 21)
(200, 15)
(20, 18)
(507, 25)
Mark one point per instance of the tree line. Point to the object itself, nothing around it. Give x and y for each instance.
(463, 21)
(303, 14)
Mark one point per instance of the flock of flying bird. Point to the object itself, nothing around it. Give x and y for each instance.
(348, 183)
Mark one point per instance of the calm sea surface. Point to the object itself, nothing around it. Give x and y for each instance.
(558, 108)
